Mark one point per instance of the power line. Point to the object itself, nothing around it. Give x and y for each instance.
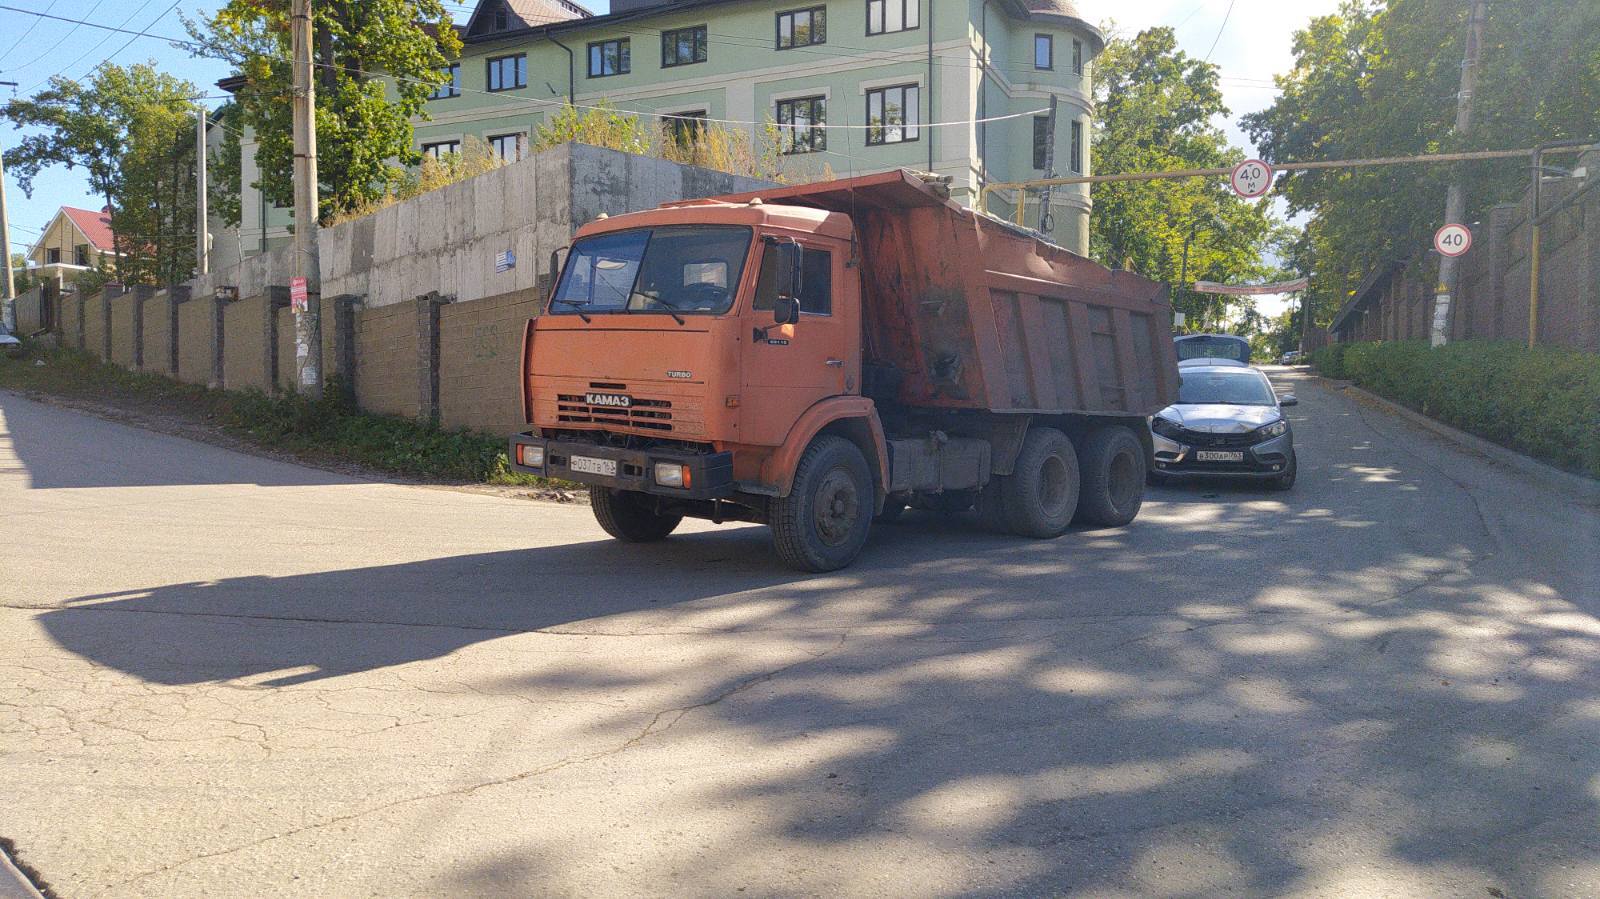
(91, 50)
(25, 34)
(70, 32)
(1225, 16)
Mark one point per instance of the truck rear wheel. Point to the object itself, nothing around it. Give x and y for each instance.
(627, 515)
(1113, 477)
(823, 522)
(1041, 494)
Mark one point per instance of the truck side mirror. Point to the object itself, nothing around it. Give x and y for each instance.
(790, 257)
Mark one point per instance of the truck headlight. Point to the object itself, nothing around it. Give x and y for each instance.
(672, 474)
(1276, 429)
(530, 456)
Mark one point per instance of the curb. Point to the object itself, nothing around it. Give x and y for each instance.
(1578, 486)
(13, 885)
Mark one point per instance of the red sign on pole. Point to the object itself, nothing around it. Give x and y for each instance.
(299, 297)
(1453, 240)
(1251, 178)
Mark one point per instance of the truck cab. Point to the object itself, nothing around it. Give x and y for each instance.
(709, 359)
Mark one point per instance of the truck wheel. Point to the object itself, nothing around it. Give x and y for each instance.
(1113, 477)
(627, 515)
(1041, 494)
(823, 522)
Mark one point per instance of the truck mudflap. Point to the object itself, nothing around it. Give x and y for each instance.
(656, 472)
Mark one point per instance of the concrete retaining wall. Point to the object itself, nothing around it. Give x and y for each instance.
(387, 364)
(126, 321)
(197, 340)
(480, 350)
(96, 315)
(158, 332)
(250, 358)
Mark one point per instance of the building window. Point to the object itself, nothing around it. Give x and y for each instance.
(1041, 140)
(886, 16)
(52, 255)
(1077, 147)
(438, 149)
(451, 86)
(1077, 57)
(892, 114)
(800, 124)
(509, 147)
(1044, 51)
(611, 57)
(502, 21)
(802, 27)
(80, 255)
(508, 72)
(685, 128)
(683, 46)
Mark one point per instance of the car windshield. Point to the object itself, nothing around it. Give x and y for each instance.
(1241, 388)
(1213, 346)
(678, 269)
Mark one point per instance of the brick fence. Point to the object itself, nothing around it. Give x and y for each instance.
(1491, 298)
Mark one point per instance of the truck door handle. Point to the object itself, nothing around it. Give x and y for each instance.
(836, 363)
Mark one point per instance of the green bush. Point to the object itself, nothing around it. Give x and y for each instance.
(1544, 402)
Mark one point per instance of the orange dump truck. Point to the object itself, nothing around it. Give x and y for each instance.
(819, 356)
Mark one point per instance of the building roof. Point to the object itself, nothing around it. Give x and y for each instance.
(95, 225)
(521, 14)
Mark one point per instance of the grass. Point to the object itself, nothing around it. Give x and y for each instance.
(330, 429)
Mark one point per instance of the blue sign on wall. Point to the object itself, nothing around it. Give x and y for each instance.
(505, 260)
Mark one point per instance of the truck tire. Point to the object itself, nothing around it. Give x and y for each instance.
(1113, 477)
(630, 516)
(823, 522)
(1041, 494)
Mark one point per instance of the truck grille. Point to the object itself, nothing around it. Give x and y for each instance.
(644, 412)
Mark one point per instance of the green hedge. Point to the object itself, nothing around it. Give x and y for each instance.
(1544, 402)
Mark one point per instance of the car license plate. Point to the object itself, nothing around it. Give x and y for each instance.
(587, 465)
(1210, 456)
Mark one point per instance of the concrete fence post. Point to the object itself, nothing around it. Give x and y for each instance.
(141, 295)
(277, 298)
(103, 309)
(428, 355)
(339, 340)
(219, 301)
(176, 294)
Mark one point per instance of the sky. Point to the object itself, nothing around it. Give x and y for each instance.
(1250, 40)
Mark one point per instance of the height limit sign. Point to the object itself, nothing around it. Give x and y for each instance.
(1453, 240)
(1251, 178)
(299, 297)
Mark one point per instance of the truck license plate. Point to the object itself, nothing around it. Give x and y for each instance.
(587, 465)
(1208, 456)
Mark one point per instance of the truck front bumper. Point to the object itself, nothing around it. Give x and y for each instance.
(704, 475)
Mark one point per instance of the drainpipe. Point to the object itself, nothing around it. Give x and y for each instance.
(931, 116)
(1533, 243)
(571, 94)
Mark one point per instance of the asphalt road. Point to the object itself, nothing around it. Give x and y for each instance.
(225, 676)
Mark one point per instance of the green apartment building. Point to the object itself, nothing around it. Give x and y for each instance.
(912, 81)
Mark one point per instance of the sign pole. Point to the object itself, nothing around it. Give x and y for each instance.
(1455, 203)
(305, 268)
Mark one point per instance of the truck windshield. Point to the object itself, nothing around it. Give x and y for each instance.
(682, 269)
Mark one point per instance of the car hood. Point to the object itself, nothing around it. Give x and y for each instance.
(1220, 418)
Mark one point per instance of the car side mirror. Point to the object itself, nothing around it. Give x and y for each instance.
(1288, 399)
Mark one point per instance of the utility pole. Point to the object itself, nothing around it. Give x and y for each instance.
(306, 266)
(8, 305)
(1455, 204)
(1045, 224)
(202, 245)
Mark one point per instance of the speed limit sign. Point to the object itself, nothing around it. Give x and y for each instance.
(1251, 178)
(1452, 240)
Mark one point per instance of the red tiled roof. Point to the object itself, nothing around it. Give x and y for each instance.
(95, 225)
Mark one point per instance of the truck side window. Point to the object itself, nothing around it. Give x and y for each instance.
(816, 288)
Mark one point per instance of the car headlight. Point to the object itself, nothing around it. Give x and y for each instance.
(1166, 427)
(1276, 429)
(530, 456)
(672, 474)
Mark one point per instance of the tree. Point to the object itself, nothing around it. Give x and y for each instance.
(363, 51)
(1155, 107)
(129, 130)
(21, 275)
(1379, 78)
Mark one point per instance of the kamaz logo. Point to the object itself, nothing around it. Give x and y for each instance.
(612, 400)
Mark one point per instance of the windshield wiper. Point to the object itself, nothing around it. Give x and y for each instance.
(577, 306)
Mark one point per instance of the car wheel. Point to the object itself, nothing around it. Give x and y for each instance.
(631, 516)
(1112, 463)
(1041, 495)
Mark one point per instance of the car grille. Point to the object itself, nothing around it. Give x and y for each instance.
(648, 413)
(1205, 440)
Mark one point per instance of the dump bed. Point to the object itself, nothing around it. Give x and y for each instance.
(964, 311)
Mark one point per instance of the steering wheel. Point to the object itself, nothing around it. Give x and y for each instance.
(702, 295)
